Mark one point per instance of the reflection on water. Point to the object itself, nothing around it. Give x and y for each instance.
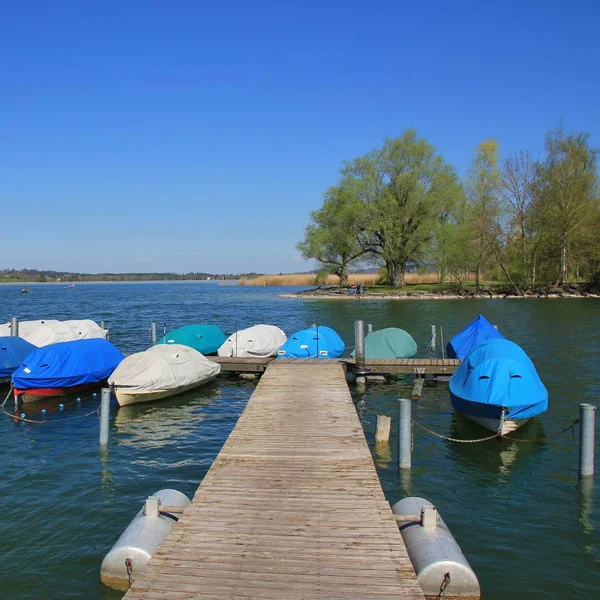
(498, 455)
(526, 527)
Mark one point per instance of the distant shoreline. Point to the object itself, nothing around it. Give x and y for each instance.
(76, 283)
(432, 296)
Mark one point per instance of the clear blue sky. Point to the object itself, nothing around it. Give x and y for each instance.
(194, 136)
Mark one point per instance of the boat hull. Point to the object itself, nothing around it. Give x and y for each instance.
(35, 395)
(126, 397)
(499, 425)
(487, 415)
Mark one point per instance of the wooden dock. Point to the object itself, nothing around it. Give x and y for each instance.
(291, 508)
(407, 366)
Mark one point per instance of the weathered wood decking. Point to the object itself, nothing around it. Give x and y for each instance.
(291, 508)
(425, 366)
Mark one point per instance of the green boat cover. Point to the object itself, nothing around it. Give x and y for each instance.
(206, 339)
(391, 342)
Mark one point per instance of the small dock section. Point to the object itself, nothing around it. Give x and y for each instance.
(391, 366)
(291, 508)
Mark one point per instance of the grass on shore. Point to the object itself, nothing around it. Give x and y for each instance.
(368, 279)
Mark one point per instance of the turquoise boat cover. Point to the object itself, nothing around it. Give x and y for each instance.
(67, 364)
(471, 336)
(316, 342)
(13, 351)
(499, 373)
(206, 339)
(390, 342)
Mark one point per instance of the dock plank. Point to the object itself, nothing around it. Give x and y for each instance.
(291, 508)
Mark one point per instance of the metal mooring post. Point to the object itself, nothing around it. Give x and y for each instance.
(433, 337)
(14, 326)
(359, 340)
(104, 415)
(587, 431)
(153, 332)
(404, 434)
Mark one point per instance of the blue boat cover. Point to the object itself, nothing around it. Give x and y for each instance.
(498, 373)
(206, 339)
(67, 364)
(316, 342)
(471, 336)
(13, 351)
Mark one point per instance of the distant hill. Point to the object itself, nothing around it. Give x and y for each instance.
(21, 275)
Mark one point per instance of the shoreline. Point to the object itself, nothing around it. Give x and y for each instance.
(430, 296)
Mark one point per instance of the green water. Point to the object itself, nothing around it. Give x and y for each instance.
(527, 528)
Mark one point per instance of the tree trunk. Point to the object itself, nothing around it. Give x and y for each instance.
(390, 267)
(563, 261)
(400, 273)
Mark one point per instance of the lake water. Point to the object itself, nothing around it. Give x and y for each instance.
(527, 528)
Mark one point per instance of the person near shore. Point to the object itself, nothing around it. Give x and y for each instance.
(359, 288)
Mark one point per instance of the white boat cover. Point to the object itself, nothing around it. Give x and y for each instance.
(259, 340)
(49, 331)
(163, 367)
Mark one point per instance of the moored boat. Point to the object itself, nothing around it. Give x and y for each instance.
(50, 331)
(315, 342)
(391, 342)
(475, 333)
(65, 368)
(161, 371)
(257, 341)
(206, 339)
(498, 387)
(13, 351)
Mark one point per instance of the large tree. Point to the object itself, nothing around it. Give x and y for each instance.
(332, 236)
(405, 187)
(483, 182)
(569, 192)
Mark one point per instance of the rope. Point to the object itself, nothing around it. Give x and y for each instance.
(10, 391)
(497, 435)
(548, 437)
(40, 422)
(450, 439)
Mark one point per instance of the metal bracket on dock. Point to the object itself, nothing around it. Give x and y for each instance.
(427, 518)
(420, 371)
(152, 506)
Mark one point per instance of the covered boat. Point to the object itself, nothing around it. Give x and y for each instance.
(50, 331)
(259, 340)
(161, 371)
(315, 342)
(65, 368)
(206, 339)
(474, 334)
(13, 351)
(498, 387)
(390, 342)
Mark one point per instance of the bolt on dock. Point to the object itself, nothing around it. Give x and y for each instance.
(291, 508)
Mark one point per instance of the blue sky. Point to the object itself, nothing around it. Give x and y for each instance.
(192, 136)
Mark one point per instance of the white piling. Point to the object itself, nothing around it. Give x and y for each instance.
(359, 340)
(153, 332)
(404, 434)
(14, 326)
(104, 415)
(587, 427)
(384, 423)
(370, 328)
(433, 337)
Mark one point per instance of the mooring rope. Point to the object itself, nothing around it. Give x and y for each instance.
(497, 435)
(10, 391)
(44, 422)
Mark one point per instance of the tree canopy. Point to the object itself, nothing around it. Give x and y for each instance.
(517, 219)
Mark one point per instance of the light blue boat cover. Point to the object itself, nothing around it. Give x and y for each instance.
(206, 339)
(498, 373)
(13, 351)
(316, 342)
(391, 342)
(67, 364)
(471, 336)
